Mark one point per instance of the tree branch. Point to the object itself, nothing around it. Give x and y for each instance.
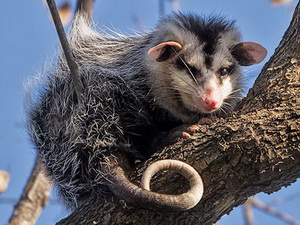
(4, 180)
(265, 208)
(248, 212)
(34, 198)
(257, 149)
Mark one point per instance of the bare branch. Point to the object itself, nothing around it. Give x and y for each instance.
(280, 2)
(248, 212)
(284, 217)
(64, 12)
(66, 48)
(4, 180)
(34, 198)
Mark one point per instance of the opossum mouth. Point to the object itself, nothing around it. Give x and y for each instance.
(204, 109)
(202, 105)
(196, 108)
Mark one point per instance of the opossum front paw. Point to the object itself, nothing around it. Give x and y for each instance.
(185, 131)
(207, 120)
(182, 132)
(165, 138)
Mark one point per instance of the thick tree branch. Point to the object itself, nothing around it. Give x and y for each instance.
(33, 200)
(257, 149)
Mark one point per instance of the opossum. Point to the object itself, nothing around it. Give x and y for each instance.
(141, 93)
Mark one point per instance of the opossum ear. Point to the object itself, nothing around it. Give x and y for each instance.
(248, 53)
(164, 51)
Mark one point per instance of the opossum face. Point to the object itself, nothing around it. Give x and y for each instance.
(205, 84)
(200, 69)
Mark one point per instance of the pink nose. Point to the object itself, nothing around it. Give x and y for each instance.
(211, 104)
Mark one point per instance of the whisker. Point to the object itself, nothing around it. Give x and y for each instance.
(236, 90)
(254, 69)
(175, 90)
(174, 97)
(188, 68)
(234, 97)
(193, 88)
(196, 115)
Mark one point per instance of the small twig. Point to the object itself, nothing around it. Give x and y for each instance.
(4, 180)
(34, 198)
(66, 48)
(248, 212)
(286, 218)
(64, 11)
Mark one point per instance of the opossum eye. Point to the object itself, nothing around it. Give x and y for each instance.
(224, 71)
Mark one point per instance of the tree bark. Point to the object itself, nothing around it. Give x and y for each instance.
(256, 149)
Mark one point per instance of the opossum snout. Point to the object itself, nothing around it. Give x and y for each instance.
(211, 104)
(207, 103)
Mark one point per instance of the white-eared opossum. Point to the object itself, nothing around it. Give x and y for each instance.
(137, 92)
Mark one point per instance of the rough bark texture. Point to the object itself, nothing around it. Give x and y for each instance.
(33, 200)
(257, 149)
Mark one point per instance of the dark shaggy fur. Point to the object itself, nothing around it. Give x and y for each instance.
(119, 111)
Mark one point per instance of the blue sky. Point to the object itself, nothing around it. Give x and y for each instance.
(28, 40)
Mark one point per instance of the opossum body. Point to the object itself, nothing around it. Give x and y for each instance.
(137, 90)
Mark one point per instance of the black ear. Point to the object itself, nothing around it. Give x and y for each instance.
(248, 53)
(164, 51)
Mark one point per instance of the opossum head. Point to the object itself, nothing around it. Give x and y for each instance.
(195, 64)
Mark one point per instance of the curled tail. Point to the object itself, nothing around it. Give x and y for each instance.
(125, 189)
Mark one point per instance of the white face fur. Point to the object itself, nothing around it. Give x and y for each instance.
(185, 85)
(204, 89)
(196, 69)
